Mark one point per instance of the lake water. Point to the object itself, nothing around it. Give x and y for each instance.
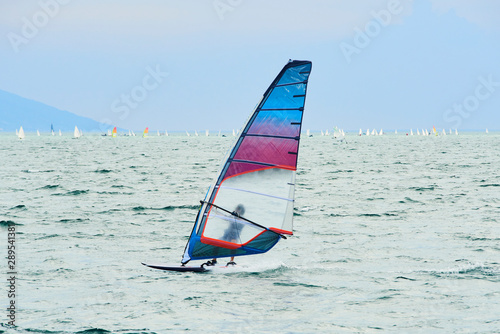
(393, 233)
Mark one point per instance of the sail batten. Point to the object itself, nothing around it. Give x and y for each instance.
(271, 136)
(258, 193)
(257, 179)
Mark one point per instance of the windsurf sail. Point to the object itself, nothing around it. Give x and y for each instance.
(21, 133)
(76, 133)
(113, 133)
(52, 129)
(145, 133)
(250, 205)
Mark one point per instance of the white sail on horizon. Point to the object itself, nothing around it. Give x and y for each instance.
(76, 133)
(20, 134)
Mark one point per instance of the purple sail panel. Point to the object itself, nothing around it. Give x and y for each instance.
(284, 123)
(275, 151)
(236, 168)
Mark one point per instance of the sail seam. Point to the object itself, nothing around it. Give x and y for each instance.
(292, 83)
(281, 109)
(269, 136)
(257, 193)
(252, 162)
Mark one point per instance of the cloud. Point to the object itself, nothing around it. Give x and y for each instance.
(484, 13)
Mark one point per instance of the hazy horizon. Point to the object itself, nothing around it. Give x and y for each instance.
(395, 64)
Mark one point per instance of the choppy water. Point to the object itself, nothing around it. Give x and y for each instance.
(392, 234)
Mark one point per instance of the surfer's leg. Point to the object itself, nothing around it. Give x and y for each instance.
(212, 262)
(231, 262)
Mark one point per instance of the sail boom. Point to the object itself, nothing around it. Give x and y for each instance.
(245, 219)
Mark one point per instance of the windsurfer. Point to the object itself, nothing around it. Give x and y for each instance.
(232, 233)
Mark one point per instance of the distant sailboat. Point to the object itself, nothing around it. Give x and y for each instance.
(444, 132)
(145, 133)
(360, 132)
(76, 133)
(456, 132)
(114, 132)
(418, 132)
(367, 132)
(158, 133)
(52, 129)
(411, 132)
(38, 133)
(20, 134)
(166, 133)
(380, 133)
(487, 131)
(187, 133)
(196, 133)
(60, 133)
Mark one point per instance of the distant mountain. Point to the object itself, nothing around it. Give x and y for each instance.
(16, 111)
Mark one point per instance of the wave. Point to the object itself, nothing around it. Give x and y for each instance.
(7, 223)
(83, 331)
(50, 186)
(167, 208)
(104, 171)
(72, 193)
(37, 171)
(19, 207)
(369, 215)
(409, 200)
(49, 236)
(114, 193)
(303, 285)
(469, 269)
(431, 188)
(93, 331)
(76, 220)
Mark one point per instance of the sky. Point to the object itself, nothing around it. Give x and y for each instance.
(196, 65)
